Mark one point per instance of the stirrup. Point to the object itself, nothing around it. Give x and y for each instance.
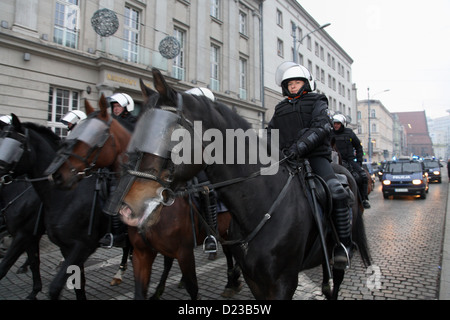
(111, 242)
(204, 244)
(348, 264)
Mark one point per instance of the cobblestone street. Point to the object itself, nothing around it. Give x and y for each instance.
(405, 236)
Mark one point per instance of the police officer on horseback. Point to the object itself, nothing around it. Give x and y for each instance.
(72, 117)
(208, 198)
(121, 107)
(304, 125)
(350, 148)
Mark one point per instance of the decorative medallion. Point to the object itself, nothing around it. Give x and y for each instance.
(105, 22)
(169, 47)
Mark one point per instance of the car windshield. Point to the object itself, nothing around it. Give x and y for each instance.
(431, 164)
(404, 167)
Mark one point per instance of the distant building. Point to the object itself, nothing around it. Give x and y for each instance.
(381, 130)
(417, 135)
(440, 136)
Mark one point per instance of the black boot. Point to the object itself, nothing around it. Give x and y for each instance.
(117, 236)
(210, 212)
(343, 250)
(365, 188)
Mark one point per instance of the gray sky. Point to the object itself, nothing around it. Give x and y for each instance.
(401, 45)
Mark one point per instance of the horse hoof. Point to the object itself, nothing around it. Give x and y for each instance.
(230, 292)
(115, 282)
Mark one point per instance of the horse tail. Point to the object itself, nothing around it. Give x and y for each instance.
(360, 238)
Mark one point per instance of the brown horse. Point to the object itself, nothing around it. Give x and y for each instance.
(172, 236)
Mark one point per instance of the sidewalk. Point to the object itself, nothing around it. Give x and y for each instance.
(444, 290)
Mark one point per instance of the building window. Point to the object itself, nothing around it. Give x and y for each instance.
(243, 79)
(61, 101)
(242, 23)
(373, 113)
(215, 63)
(215, 9)
(280, 50)
(309, 43)
(310, 66)
(373, 128)
(131, 35)
(279, 18)
(300, 59)
(66, 23)
(178, 70)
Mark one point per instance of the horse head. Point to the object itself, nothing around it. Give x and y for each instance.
(99, 141)
(21, 144)
(152, 176)
(170, 145)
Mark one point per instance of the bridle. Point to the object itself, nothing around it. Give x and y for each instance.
(12, 146)
(93, 153)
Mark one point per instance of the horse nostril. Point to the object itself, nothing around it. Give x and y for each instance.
(126, 211)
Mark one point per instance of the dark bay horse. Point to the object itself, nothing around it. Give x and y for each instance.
(273, 223)
(172, 236)
(22, 215)
(72, 220)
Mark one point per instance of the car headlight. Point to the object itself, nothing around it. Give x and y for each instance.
(386, 182)
(436, 173)
(417, 182)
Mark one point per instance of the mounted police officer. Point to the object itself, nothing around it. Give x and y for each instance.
(304, 125)
(350, 148)
(72, 117)
(121, 107)
(208, 198)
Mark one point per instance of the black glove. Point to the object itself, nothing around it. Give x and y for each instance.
(299, 149)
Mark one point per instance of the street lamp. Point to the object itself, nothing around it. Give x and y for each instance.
(294, 35)
(369, 145)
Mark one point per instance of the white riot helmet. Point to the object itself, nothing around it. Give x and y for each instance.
(341, 119)
(123, 99)
(202, 92)
(73, 117)
(6, 119)
(290, 71)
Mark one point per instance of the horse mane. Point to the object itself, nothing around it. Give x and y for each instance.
(48, 134)
(220, 114)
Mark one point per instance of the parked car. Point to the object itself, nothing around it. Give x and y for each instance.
(433, 166)
(369, 168)
(405, 177)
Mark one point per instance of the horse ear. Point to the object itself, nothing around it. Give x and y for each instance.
(88, 107)
(16, 122)
(161, 85)
(103, 104)
(146, 91)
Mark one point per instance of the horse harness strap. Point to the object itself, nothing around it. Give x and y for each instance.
(267, 216)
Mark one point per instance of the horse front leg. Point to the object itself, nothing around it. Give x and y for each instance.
(327, 290)
(338, 277)
(168, 262)
(187, 267)
(117, 279)
(234, 285)
(34, 260)
(142, 266)
(80, 290)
